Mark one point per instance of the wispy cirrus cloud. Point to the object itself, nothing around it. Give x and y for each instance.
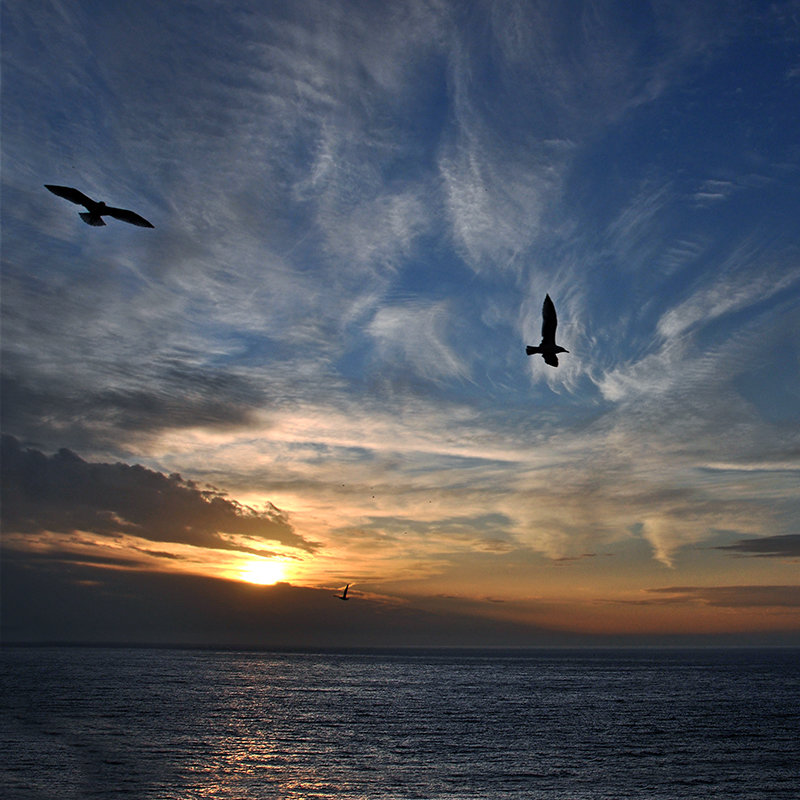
(730, 291)
(688, 354)
(713, 191)
(417, 334)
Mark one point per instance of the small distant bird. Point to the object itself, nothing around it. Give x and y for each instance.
(343, 595)
(95, 211)
(548, 348)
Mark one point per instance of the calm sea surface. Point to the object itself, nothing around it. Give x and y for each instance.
(152, 723)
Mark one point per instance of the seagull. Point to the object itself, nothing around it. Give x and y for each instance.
(343, 595)
(548, 348)
(95, 211)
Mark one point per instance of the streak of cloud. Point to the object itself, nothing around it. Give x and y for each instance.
(417, 334)
(730, 596)
(785, 546)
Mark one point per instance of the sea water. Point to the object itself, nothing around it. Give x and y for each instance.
(181, 724)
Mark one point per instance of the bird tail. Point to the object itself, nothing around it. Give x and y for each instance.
(530, 350)
(91, 219)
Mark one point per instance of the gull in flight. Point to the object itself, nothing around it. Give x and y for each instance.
(548, 348)
(343, 595)
(96, 210)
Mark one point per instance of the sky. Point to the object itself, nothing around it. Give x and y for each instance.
(312, 371)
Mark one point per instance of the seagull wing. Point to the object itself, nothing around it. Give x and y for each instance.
(128, 216)
(73, 195)
(549, 322)
(344, 593)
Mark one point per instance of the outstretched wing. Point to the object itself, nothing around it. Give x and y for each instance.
(128, 216)
(68, 193)
(549, 321)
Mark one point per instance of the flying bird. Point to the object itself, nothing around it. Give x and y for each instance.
(343, 595)
(548, 348)
(96, 210)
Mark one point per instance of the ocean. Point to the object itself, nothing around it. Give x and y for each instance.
(82, 722)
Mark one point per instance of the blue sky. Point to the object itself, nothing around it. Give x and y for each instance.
(359, 210)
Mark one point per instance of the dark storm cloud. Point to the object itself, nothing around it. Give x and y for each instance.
(63, 493)
(787, 546)
(726, 596)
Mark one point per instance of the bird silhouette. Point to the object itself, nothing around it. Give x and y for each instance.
(96, 210)
(548, 349)
(343, 595)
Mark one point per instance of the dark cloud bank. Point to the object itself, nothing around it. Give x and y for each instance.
(49, 601)
(63, 493)
(45, 601)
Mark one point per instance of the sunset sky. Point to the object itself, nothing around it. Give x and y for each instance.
(312, 372)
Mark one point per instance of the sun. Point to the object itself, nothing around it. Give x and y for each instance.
(263, 572)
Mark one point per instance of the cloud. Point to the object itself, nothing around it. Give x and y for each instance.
(533, 84)
(480, 533)
(415, 333)
(627, 474)
(78, 602)
(785, 546)
(572, 559)
(494, 202)
(631, 233)
(728, 596)
(176, 396)
(731, 320)
(728, 292)
(279, 155)
(63, 493)
(584, 62)
(713, 191)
